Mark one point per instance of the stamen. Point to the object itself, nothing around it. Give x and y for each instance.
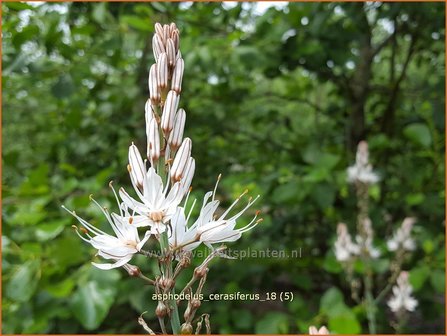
(215, 186)
(130, 220)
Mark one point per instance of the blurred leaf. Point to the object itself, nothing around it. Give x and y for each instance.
(419, 134)
(23, 282)
(272, 323)
(437, 279)
(91, 303)
(418, 276)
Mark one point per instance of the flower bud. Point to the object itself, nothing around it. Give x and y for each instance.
(169, 110)
(161, 310)
(133, 271)
(200, 272)
(162, 72)
(181, 160)
(166, 33)
(177, 76)
(153, 144)
(154, 92)
(186, 329)
(175, 138)
(176, 39)
(170, 51)
(159, 29)
(136, 165)
(157, 46)
(195, 303)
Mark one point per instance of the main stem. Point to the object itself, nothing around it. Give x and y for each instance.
(173, 316)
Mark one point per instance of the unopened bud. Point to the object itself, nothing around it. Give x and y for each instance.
(162, 72)
(167, 283)
(136, 164)
(186, 329)
(169, 110)
(166, 33)
(195, 303)
(157, 46)
(176, 39)
(154, 91)
(133, 271)
(177, 75)
(200, 272)
(170, 51)
(175, 138)
(159, 29)
(161, 310)
(181, 160)
(153, 144)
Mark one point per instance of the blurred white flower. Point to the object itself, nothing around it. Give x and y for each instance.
(365, 240)
(120, 247)
(402, 299)
(402, 237)
(345, 248)
(322, 331)
(362, 171)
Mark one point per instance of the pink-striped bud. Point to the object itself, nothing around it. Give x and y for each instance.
(162, 71)
(169, 110)
(157, 46)
(136, 164)
(153, 143)
(154, 92)
(181, 160)
(177, 76)
(175, 138)
(159, 29)
(188, 174)
(170, 51)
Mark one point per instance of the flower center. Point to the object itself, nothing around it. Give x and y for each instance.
(156, 216)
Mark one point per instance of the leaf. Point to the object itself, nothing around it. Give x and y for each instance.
(418, 133)
(344, 323)
(23, 282)
(418, 276)
(64, 87)
(437, 280)
(331, 302)
(50, 230)
(273, 323)
(91, 303)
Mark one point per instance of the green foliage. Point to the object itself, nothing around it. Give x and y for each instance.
(275, 101)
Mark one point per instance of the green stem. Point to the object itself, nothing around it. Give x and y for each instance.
(370, 305)
(174, 317)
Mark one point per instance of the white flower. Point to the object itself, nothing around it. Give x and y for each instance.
(322, 331)
(362, 171)
(209, 229)
(120, 247)
(402, 237)
(402, 299)
(365, 240)
(345, 249)
(157, 205)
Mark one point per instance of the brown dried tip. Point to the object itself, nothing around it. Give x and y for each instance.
(257, 212)
(130, 220)
(83, 230)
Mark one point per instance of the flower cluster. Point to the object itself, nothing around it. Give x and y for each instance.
(315, 331)
(162, 179)
(345, 248)
(362, 171)
(402, 237)
(402, 299)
